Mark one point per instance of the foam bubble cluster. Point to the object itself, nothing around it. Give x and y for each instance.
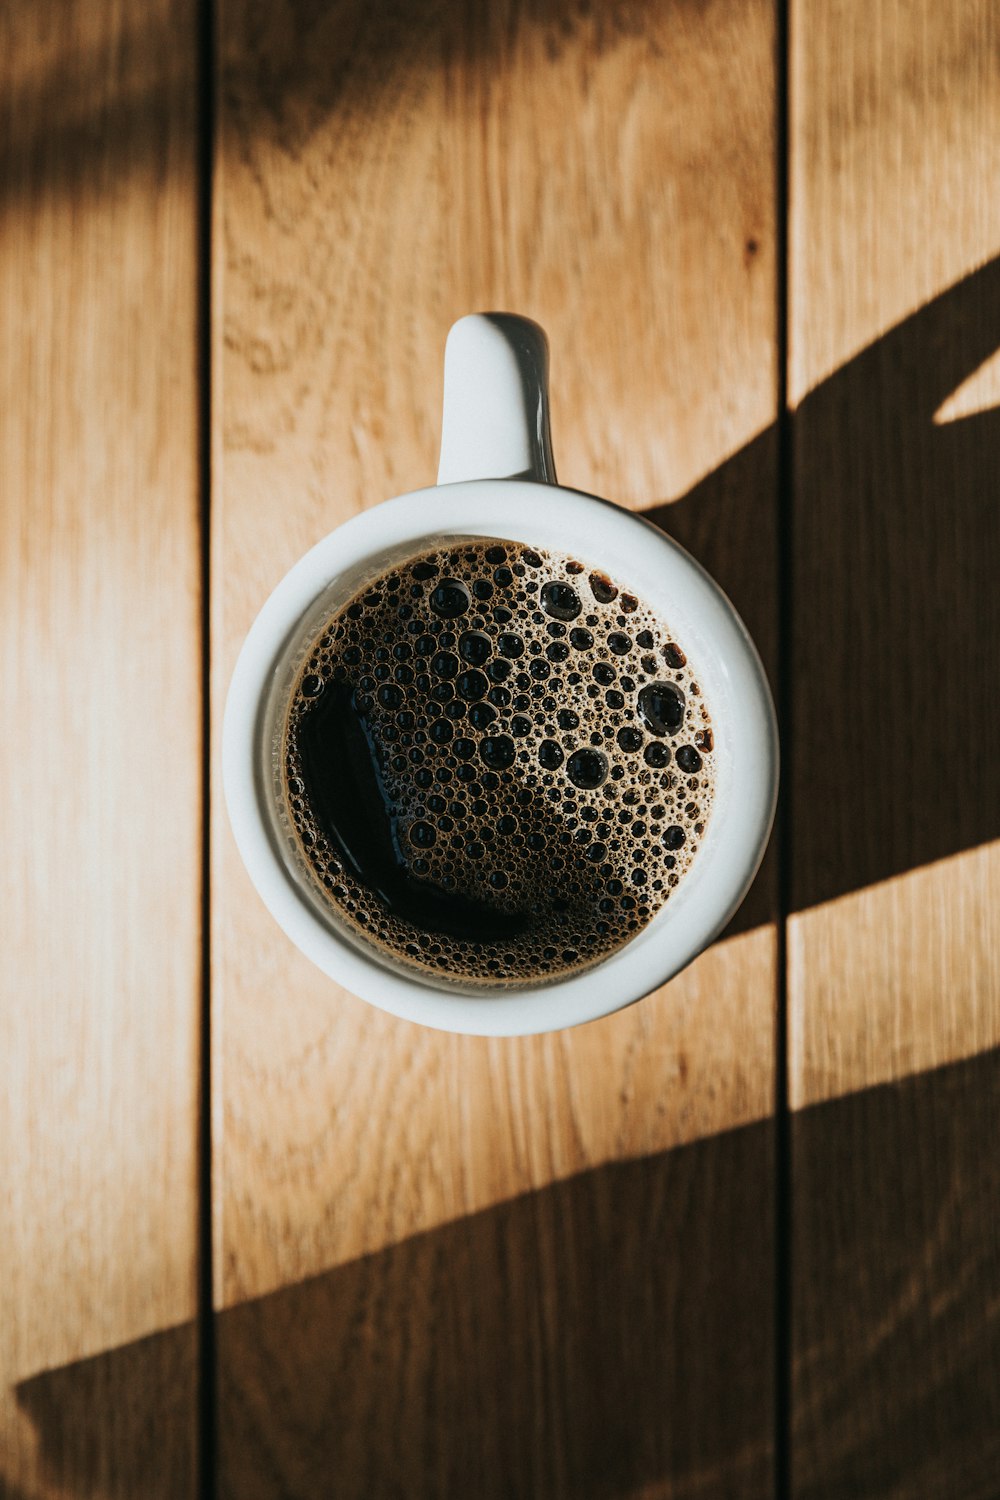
(536, 751)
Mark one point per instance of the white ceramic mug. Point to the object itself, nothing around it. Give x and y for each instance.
(497, 479)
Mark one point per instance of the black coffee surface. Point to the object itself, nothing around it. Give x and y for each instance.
(497, 763)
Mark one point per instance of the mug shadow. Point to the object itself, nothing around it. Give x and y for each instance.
(611, 1335)
(893, 558)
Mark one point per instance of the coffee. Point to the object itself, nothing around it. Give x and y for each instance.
(496, 763)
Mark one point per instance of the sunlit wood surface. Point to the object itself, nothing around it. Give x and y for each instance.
(100, 748)
(582, 1266)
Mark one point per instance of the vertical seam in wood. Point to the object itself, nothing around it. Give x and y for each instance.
(783, 1394)
(205, 44)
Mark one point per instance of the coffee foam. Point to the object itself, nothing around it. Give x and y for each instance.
(543, 747)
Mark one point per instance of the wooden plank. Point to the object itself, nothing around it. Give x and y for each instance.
(99, 541)
(448, 1209)
(894, 968)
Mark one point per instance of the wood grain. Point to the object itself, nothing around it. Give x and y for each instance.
(555, 1344)
(894, 961)
(101, 747)
(382, 171)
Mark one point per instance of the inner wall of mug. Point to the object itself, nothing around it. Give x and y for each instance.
(330, 601)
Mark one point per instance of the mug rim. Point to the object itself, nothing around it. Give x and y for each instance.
(730, 672)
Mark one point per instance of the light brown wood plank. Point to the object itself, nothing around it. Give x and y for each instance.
(440, 1214)
(100, 754)
(894, 957)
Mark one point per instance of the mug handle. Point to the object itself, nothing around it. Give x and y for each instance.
(495, 423)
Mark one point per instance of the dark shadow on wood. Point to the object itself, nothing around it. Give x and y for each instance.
(89, 105)
(895, 566)
(611, 1335)
(79, 119)
(896, 1299)
(604, 1335)
(118, 1425)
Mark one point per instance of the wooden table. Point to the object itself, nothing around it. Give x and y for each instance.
(260, 1240)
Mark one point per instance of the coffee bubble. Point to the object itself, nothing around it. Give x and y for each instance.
(445, 664)
(587, 768)
(475, 647)
(498, 751)
(560, 600)
(661, 707)
(482, 715)
(688, 759)
(450, 599)
(602, 588)
(550, 755)
(472, 686)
